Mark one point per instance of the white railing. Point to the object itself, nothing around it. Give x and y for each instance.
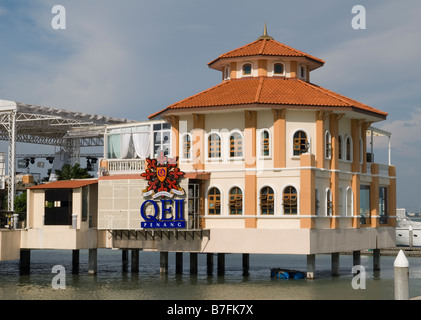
(115, 166)
(383, 169)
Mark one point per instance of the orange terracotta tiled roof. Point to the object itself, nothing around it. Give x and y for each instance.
(266, 47)
(269, 91)
(65, 184)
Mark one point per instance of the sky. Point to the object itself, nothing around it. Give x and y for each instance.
(131, 58)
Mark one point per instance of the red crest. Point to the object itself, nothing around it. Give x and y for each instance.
(162, 175)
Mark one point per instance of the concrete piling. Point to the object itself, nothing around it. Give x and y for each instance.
(93, 261)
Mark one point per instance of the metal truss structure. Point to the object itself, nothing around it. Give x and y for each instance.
(21, 122)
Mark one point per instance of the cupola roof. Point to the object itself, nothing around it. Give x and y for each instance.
(266, 46)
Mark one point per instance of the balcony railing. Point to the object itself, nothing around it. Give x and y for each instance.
(121, 166)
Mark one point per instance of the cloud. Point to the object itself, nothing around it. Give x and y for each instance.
(406, 133)
(380, 64)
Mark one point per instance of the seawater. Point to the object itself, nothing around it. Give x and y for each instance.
(111, 282)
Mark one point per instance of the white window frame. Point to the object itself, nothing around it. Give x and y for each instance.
(251, 71)
(260, 145)
(181, 147)
(349, 213)
(227, 73)
(351, 155)
(328, 139)
(214, 159)
(282, 200)
(242, 145)
(305, 72)
(228, 200)
(292, 143)
(207, 202)
(273, 74)
(327, 192)
(274, 201)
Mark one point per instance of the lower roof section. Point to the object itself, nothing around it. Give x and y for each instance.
(264, 91)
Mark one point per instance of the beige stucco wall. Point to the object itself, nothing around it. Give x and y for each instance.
(40, 236)
(9, 244)
(119, 203)
(269, 241)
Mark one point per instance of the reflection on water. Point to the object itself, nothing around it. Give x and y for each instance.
(112, 283)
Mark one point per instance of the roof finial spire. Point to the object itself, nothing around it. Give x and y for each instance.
(265, 34)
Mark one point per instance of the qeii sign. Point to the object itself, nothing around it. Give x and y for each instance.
(162, 175)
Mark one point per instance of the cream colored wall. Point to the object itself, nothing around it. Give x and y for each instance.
(9, 244)
(119, 203)
(299, 120)
(271, 241)
(254, 62)
(36, 200)
(39, 236)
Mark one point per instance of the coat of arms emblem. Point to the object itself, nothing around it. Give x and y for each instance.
(162, 175)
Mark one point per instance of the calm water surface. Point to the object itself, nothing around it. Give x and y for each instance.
(112, 283)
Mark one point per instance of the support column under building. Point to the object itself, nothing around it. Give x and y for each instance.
(25, 262)
(356, 258)
(209, 263)
(135, 261)
(163, 262)
(335, 264)
(246, 264)
(93, 261)
(221, 264)
(376, 262)
(125, 260)
(311, 265)
(75, 261)
(193, 263)
(178, 263)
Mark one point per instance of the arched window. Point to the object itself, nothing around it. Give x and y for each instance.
(267, 201)
(236, 145)
(328, 145)
(265, 143)
(317, 200)
(187, 147)
(214, 146)
(236, 201)
(247, 69)
(303, 71)
(278, 69)
(349, 202)
(329, 203)
(289, 198)
(348, 147)
(340, 147)
(227, 73)
(214, 201)
(341, 201)
(301, 144)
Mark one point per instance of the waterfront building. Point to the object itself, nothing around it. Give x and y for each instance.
(273, 164)
(263, 162)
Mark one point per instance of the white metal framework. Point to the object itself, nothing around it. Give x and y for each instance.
(21, 122)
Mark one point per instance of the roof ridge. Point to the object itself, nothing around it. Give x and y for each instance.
(259, 90)
(262, 48)
(328, 93)
(349, 101)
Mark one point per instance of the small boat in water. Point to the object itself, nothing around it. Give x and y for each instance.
(408, 233)
(286, 274)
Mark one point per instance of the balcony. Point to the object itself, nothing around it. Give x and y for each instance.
(121, 166)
